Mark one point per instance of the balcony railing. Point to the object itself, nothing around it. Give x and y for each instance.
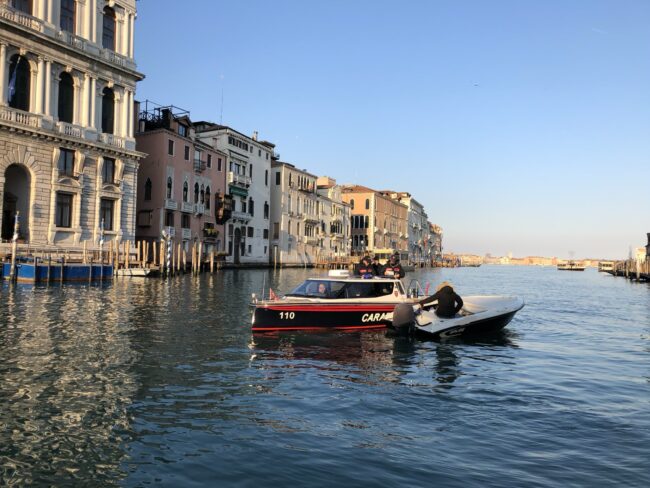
(199, 165)
(241, 180)
(69, 129)
(21, 18)
(9, 114)
(186, 233)
(241, 215)
(171, 231)
(199, 208)
(170, 204)
(187, 207)
(112, 140)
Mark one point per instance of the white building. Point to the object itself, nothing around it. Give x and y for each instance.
(248, 182)
(296, 227)
(418, 228)
(335, 215)
(67, 152)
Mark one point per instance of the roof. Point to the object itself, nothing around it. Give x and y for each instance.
(356, 189)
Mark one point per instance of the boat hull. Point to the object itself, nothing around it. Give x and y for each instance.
(480, 327)
(270, 318)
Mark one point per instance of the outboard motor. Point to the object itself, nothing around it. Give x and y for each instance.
(404, 319)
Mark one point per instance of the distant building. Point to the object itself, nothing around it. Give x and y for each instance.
(417, 227)
(248, 186)
(68, 161)
(181, 182)
(335, 215)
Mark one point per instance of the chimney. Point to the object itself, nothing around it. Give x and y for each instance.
(255, 135)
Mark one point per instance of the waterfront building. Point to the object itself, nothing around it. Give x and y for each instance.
(181, 183)
(297, 231)
(248, 187)
(335, 214)
(435, 243)
(417, 227)
(68, 160)
(377, 221)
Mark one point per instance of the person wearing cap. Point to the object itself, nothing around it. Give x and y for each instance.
(449, 302)
(364, 268)
(393, 268)
(376, 266)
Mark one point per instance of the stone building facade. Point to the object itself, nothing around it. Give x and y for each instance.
(68, 161)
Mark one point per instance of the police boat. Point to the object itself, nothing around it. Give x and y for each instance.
(338, 301)
(479, 315)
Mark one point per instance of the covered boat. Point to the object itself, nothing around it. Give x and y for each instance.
(338, 301)
(479, 315)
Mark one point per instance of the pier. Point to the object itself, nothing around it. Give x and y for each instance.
(631, 269)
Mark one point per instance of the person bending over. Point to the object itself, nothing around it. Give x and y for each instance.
(449, 302)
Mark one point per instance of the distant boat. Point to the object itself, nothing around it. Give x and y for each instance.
(570, 266)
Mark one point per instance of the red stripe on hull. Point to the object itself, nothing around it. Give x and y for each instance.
(338, 327)
(332, 308)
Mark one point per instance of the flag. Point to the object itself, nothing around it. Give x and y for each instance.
(426, 289)
(272, 296)
(12, 81)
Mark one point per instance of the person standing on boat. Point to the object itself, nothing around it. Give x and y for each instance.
(393, 268)
(376, 266)
(364, 268)
(449, 302)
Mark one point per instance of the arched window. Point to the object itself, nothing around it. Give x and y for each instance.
(108, 111)
(207, 197)
(108, 29)
(147, 189)
(367, 203)
(169, 187)
(66, 97)
(185, 190)
(196, 193)
(202, 197)
(67, 17)
(19, 83)
(352, 203)
(22, 5)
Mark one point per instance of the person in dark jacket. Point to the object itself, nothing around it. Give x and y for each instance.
(376, 266)
(393, 268)
(364, 268)
(449, 302)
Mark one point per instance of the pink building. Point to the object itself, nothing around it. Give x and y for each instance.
(181, 182)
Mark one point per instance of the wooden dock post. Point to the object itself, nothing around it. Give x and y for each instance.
(49, 266)
(200, 257)
(212, 261)
(61, 268)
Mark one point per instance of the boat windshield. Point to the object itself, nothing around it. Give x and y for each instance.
(342, 289)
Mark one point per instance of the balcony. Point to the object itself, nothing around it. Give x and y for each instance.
(8, 114)
(171, 231)
(240, 216)
(240, 180)
(199, 208)
(26, 20)
(311, 241)
(187, 207)
(170, 204)
(70, 129)
(199, 166)
(186, 234)
(76, 42)
(112, 140)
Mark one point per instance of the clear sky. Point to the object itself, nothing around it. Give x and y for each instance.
(521, 126)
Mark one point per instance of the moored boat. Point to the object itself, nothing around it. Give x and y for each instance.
(570, 266)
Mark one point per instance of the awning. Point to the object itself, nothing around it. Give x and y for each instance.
(235, 190)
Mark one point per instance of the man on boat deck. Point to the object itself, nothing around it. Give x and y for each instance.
(449, 302)
(393, 268)
(376, 266)
(364, 268)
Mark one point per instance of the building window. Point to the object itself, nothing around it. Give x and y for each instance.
(169, 218)
(187, 153)
(266, 177)
(182, 130)
(251, 230)
(185, 191)
(66, 162)
(367, 203)
(64, 210)
(22, 5)
(266, 210)
(251, 207)
(67, 18)
(266, 233)
(196, 193)
(218, 164)
(209, 160)
(108, 29)
(19, 83)
(243, 206)
(169, 187)
(185, 221)
(276, 230)
(147, 189)
(277, 177)
(108, 111)
(207, 197)
(106, 213)
(250, 171)
(170, 147)
(352, 204)
(108, 170)
(202, 196)
(66, 97)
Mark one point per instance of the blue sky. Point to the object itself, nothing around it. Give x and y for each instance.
(516, 123)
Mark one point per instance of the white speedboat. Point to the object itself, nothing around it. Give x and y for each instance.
(338, 301)
(480, 314)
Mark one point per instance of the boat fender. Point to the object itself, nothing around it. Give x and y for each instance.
(404, 319)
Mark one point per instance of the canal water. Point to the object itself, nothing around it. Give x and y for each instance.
(146, 382)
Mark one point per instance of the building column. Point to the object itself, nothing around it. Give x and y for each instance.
(48, 87)
(4, 73)
(50, 11)
(124, 114)
(130, 128)
(40, 86)
(85, 101)
(92, 123)
(131, 33)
